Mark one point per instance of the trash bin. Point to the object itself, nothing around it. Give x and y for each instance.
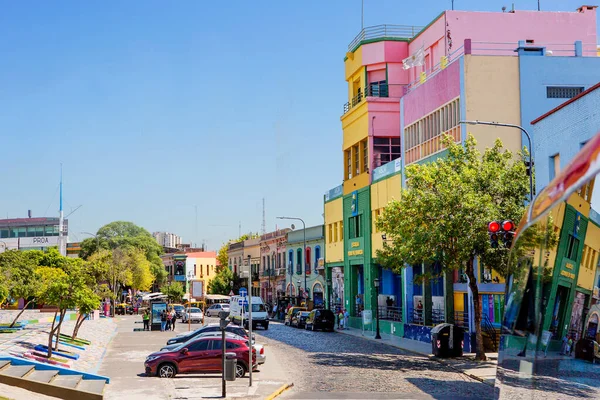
(447, 341)
(230, 367)
(584, 349)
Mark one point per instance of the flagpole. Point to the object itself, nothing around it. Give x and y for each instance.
(362, 15)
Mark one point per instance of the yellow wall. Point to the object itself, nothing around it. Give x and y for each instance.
(355, 126)
(201, 263)
(587, 269)
(334, 214)
(494, 99)
(459, 301)
(353, 64)
(382, 193)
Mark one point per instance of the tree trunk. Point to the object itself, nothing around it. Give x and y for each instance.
(78, 324)
(479, 352)
(20, 313)
(60, 321)
(51, 335)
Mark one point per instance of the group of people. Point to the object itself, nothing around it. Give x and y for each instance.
(567, 345)
(342, 318)
(167, 320)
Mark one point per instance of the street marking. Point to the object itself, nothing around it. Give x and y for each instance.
(279, 391)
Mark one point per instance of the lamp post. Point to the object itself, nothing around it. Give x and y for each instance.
(329, 293)
(190, 276)
(97, 240)
(299, 283)
(304, 255)
(376, 283)
(528, 139)
(250, 317)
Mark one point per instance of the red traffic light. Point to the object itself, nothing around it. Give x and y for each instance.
(508, 226)
(493, 227)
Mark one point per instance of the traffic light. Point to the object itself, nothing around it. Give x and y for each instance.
(493, 230)
(508, 227)
(528, 166)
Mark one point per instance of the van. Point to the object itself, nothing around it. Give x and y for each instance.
(237, 313)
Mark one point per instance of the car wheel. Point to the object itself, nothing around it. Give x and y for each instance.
(240, 370)
(266, 326)
(166, 370)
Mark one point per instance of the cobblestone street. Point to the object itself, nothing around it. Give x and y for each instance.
(332, 362)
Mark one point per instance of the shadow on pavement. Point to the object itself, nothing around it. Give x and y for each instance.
(383, 361)
(448, 389)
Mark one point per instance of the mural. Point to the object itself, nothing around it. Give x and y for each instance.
(337, 283)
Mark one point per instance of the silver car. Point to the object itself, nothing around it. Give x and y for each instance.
(213, 311)
(193, 314)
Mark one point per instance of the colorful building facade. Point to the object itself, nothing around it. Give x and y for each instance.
(395, 117)
(305, 273)
(272, 265)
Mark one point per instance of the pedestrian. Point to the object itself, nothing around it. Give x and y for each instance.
(173, 319)
(420, 311)
(146, 319)
(346, 318)
(274, 312)
(389, 303)
(570, 346)
(163, 320)
(565, 343)
(168, 325)
(358, 304)
(340, 319)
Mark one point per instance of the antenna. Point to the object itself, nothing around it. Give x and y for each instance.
(196, 226)
(62, 248)
(538, 5)
(453, 4)
(264, 220)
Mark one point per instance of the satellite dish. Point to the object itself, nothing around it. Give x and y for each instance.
(293, 226)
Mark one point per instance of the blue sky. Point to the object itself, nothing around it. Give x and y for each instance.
(156, 107)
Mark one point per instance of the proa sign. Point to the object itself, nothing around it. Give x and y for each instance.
(39, 241)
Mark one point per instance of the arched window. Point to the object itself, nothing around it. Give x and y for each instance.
(299, 261)
(268, 266)
(291, 262)
(308, 258)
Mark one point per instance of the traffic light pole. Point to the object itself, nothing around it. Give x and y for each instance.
(250, 318)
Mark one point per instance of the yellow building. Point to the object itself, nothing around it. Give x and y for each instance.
(203, 267)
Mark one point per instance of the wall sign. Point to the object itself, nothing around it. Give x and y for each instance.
(354, 204)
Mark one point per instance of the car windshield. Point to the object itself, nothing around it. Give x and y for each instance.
(178, 308)
(256, 308)
(195, 310)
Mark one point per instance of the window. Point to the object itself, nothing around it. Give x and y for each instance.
(194, 269)
(317, 255)
(554, 165)
(356, 156)
(299, 261)
(330, 233)
(278, 260)
(291, 261)
(355, 227)
(341, 230)
(365, 155)
(348, 164)
(572, 248)
(335, 232)
(563, 92)
(308, 259)
(201, 345)
(207, 272)
(385, 150)
(264, 263)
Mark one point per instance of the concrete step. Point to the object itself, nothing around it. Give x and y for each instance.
(42, 375)
(17, 371)
(68, 381)
(4, 363)
(92, 385)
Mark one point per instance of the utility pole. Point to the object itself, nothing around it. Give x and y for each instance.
(62, 248)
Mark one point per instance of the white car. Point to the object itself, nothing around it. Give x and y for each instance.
(213, 311)
(193, 314)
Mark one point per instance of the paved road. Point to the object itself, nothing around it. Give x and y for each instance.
(353, 367)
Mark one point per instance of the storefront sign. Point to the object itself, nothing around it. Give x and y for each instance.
(567, 274)
(569, 265)
(334, 193)
(40, 241)
(355, 244)
(355, 253)
(157, 309)
(354, 204)
(197, 288)
(387, 169)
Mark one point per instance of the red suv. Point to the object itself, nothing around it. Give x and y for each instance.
(199, 356)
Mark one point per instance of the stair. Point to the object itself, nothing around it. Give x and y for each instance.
(51, 380)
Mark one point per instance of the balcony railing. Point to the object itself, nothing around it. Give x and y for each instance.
(376, 90)
(390, 313)
(383, 32)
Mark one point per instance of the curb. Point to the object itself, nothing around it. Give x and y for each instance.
(279, 391)
(430, 356)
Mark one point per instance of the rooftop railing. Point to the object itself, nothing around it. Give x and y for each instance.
(384, 31)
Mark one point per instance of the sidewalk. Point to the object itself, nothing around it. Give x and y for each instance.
(483, 371)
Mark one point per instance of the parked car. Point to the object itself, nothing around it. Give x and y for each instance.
(291, 311)
(192, 314)
(261, 357)
(179, 309)
(186, 336)
(213, 311)
(199, 356)
(321, 319)
(299, 319)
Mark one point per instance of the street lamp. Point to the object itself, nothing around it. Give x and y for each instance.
(376, 283)
(329, 291)
(97, 240)
(528, 139)
(299, 283)
(304, 255)
(190, 276)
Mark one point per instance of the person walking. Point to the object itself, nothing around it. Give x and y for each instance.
(173, 319)
(168, 327)
(146, 319)
(341, 319)
(163, 320)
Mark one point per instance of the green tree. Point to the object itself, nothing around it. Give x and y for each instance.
(86, 301)
(223, 257)
(221, 283)
(17, 268)
(127, 235)
(443, 213)
(174, 291)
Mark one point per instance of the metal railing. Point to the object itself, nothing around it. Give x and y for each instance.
(384, 90)
(488, 328)
(384, 31)
(390, 313)
(417, 316)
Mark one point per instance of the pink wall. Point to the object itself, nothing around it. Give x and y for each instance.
(543, 27)
(438, 90)
(387, 117)
(391, 53)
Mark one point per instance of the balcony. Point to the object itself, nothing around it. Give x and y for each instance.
(384, 32)
(380, 90)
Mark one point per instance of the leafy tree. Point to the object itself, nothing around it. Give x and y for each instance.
(86, 301)
(442, 215)
(223, 257)
(126, 235)
(221, 283)
(17, 269)
(174, 291)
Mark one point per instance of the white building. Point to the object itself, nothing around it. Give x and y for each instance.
(167, 239)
